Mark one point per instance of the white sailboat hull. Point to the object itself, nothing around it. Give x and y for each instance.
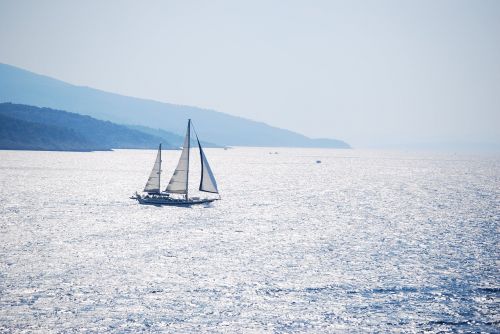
(161, 200)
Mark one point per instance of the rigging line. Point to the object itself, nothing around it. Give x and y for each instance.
(201, 154)
(194, 129)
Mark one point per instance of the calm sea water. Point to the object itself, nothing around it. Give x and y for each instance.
(366, 241)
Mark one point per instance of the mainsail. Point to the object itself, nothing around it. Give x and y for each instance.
(153, 184)
(179, 181)
(207, 182)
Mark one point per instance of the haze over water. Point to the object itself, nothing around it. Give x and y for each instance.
(364, 241)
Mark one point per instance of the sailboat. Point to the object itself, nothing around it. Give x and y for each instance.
(177, 191)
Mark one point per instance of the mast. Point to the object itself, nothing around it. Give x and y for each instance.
(159, 171)
(188, 149)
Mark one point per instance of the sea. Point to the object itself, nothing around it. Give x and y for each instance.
(301, 241)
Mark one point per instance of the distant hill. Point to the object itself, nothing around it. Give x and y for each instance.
(21, 135)
(20, 86)
(33, 128)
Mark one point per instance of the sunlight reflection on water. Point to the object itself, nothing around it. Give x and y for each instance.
(364, 241)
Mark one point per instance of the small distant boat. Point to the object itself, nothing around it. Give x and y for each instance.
(177, 190)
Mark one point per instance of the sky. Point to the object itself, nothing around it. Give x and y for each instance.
(385, 73)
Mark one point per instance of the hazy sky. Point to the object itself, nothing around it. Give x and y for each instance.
(369, 72)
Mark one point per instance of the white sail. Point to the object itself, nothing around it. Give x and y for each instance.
(153, 184)
(207, 182)
(179, 181)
